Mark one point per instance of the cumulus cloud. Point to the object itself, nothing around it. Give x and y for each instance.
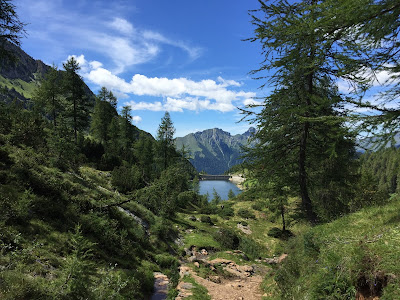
(178, 94)
(136, 119)
(179, 105)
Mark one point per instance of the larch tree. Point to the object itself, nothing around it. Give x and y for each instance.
(11, 28)
(77, 100)
(166, 141)
(49, 95)
(103, 113)
(375, 26)
(107, 96)
(299, 129)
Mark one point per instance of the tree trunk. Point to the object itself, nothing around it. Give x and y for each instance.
(283, 217)
(75, 123)
(54, 112)
(306, 201)
(305, 197)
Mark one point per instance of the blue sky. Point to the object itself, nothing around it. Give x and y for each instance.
(183, 56)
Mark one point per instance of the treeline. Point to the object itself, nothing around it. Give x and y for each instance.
(384, 168)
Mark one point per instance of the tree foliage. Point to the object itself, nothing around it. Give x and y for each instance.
(49, 95)
(11, 28)
(103, 113)
(166, 141)
(77, 102)
(300, 131)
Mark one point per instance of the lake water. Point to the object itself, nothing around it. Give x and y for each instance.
(221, 186)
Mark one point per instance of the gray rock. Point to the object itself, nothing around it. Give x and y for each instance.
(187, 286)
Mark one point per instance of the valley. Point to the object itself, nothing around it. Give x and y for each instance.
(100, 200)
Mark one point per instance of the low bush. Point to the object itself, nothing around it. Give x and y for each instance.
(166, 261)
(251, 248)
(258, 206)
(278, 233)
(244, 223)
(226, 212)
(245, 213)
(206, 219)
(208, 209)
(227, 238)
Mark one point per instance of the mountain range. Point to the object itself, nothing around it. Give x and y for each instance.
(214, 151)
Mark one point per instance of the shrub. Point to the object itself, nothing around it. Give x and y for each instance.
(250, 247)
(279, 234)
(208, 209)
(127, 179)
(245, 213)
(258, 206)
(226, 212)
(206, 219)
(275, 232)
(187, 197)
(311, 244)
(166, 261)
(227, 238)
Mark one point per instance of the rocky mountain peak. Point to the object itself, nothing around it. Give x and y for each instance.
(214, 150)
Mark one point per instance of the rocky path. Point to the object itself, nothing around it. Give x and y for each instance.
(160, 286)
(232, 289)
(241, 284)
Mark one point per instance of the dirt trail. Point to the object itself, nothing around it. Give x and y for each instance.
(234, 289)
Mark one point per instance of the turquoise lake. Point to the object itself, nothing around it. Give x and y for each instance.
(221, 186)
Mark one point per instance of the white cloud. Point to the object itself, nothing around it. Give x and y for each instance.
(179, 105)
(252, 102)
(95, 64)
(228, 82)
(194, 52)
(122, 26)
(179, 93)
(136, 119)
(115, 39)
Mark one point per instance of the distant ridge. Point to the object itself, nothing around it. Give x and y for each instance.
(19, 80)
(214, 151)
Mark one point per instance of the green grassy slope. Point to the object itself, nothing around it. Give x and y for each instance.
(356, 254)
(24, 88)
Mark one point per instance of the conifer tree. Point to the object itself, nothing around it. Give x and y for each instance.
(77, 101)
(103, 113)
(166, 141)
(108, 96)
(298, 128)
(11, 28)
(127, 132)
(49, 96)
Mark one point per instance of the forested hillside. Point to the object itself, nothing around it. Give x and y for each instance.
(86, 197)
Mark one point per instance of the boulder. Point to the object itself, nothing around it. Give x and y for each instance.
(215, 279)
